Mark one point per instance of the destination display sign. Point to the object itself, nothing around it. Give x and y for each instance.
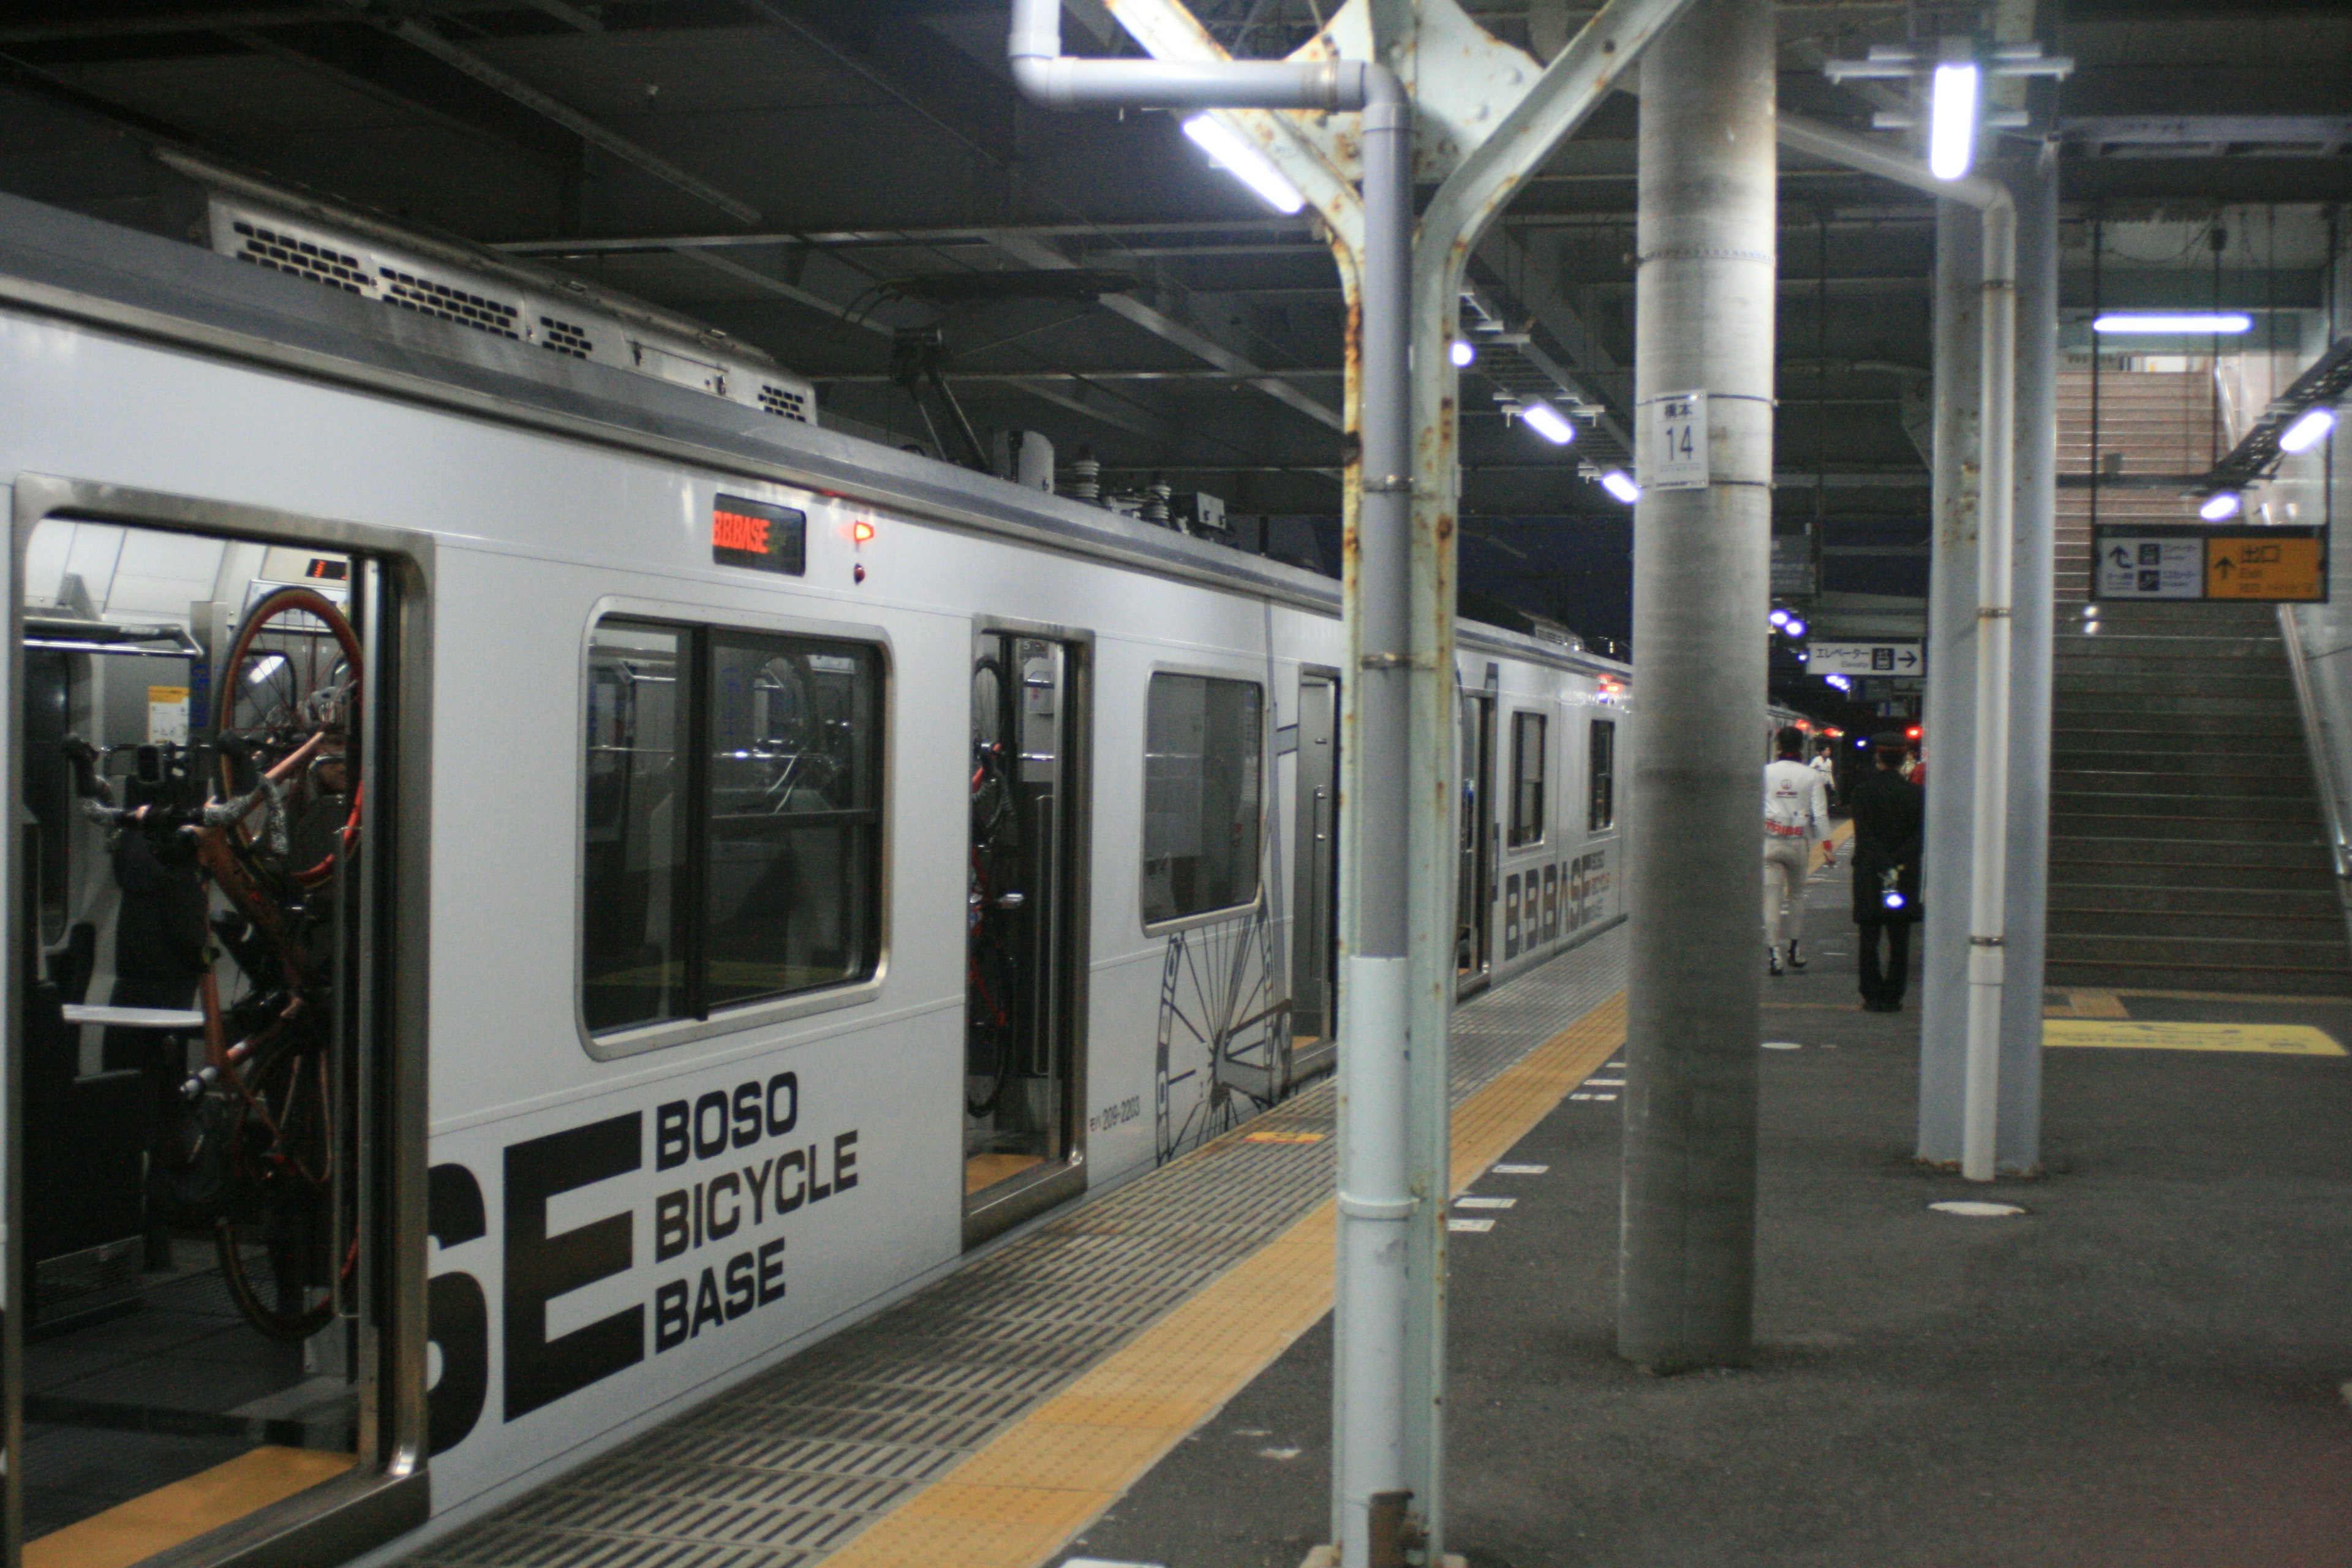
(2286, 564)
(755, 535)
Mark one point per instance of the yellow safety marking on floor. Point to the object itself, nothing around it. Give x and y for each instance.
(2085, 1005)
(135, 1531)
(2250, 997)
(1838, 834)
(1282, 1138)
(2272, 1039)
(1047, 1476)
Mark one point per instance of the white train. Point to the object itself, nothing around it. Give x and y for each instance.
(733, 868)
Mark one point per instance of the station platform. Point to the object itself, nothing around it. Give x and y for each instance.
(2150, 1363)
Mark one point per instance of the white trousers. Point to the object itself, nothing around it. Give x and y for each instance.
(1786, 862)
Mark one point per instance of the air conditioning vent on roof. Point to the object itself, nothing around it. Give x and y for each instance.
(565, 337)
(483, 302)
(284, 253)
(429, 298)
(784, 400)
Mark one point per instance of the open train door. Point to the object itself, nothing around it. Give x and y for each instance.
(214, 1067)
(1314, 928)
(1025, 924)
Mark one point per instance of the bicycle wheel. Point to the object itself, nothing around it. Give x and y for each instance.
(275, 1240)
(285, 706)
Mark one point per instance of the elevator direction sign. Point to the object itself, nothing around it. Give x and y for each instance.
(1880, 658)
(2283, 563)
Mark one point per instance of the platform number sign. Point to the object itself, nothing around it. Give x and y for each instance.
(1674, 442)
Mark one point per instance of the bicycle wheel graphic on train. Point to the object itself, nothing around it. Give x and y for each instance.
(1220, 1016)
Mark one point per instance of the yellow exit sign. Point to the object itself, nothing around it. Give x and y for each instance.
(2245, 566)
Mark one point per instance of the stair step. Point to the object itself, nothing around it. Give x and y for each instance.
(2082, 880)
(2144, 806)
(2235, 922)
(2150, 827)
(2209, 778)
(2216, 900)
(2204, 951)
(2177, 743)
(2139, 848)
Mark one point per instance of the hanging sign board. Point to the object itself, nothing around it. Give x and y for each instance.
(2285, 564)
(1864, 659)
(1674, 442)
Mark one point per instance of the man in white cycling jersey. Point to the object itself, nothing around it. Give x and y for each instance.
(1796, 816)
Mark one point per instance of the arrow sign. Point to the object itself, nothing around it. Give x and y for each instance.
(2119, 556)
(1880, 658)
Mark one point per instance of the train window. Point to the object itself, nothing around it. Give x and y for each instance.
(733, 820)
(633, 958)
(1527, 778)
(1604, 811)
(1200, 780)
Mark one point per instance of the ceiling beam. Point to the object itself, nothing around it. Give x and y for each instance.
(418, 35)
(908, 63)
(1195, 337)
(362, 60)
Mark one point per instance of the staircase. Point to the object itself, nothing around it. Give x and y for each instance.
(2188, 851)
(2187, 847)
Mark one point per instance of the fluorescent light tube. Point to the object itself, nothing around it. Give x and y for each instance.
(1952, 122)
(2174, 322)
(1618, 483)
(1245, 163)
(1547, 422)
(2219, 507)
(1464, 353)
(1795, 628)
(2308, 431)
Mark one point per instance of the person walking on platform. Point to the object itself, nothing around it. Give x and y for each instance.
(1796, 816)
(1824, 762)
(1889, 814)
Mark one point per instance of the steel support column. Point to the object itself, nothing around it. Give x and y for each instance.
(2031, 651)
(1707, 294)
(1948, 721)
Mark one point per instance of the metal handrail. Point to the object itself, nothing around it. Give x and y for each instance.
(2323, 770)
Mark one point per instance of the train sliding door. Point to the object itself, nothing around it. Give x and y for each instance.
(1024, 1084)
(1314, 926)
(210, 1137)
(1474, 897)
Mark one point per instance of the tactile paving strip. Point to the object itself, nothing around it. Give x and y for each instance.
(785, 1468)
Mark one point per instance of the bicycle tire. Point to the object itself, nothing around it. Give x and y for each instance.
(299, 689)
(281, 1222)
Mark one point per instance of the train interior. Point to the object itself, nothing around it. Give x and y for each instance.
(190, 837)
(1019, 1045)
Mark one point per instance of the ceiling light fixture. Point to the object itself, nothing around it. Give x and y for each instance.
(1547, 421)
(1620, 483)
(1795, 628)
(2307, 432)
(2220, 507)
(1952, 120)
(1464, 353)
(1245, 163)
(2193, 321)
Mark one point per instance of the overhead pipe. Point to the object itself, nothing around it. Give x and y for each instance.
(1375, 1201)
(1996, 529)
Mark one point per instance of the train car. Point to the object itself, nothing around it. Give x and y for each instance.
(548, 880)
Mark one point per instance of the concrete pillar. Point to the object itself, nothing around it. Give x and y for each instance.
(1704, 321)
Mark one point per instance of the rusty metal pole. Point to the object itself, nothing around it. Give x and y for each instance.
(1704, 323)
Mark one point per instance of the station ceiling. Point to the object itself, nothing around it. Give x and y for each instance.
(812, 176)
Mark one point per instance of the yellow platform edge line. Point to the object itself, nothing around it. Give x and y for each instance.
(1047, 1478)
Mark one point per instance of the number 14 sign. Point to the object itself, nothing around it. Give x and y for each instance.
(1674, 442)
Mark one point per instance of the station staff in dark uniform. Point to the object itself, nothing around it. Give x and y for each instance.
(1889, 819)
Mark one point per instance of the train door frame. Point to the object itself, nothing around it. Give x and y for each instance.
(1008, 1203)
(1309, 884)
(387, 1492)
(1485, 853)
